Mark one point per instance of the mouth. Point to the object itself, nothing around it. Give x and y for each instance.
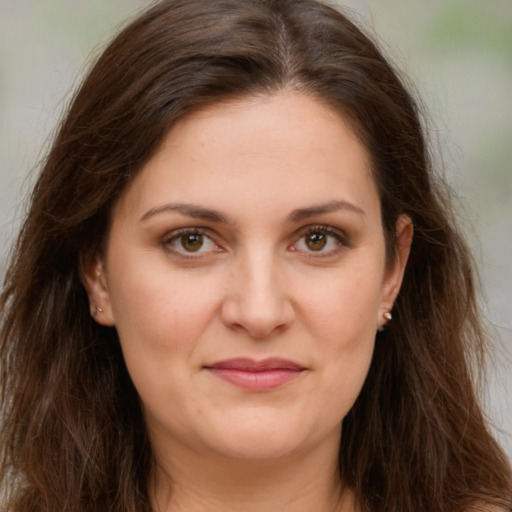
(255, 375)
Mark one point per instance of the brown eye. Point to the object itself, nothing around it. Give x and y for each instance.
(323, 240)
(192, 242)
(316, 241)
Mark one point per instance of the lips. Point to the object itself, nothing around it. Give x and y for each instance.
(255, 375)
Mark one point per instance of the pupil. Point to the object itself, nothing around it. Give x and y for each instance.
(316, 241)
(192, 243)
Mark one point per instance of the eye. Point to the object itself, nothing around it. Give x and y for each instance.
(190, 241)
(320, 239)
(316, 241)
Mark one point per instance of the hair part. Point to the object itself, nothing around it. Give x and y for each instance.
(72, 431)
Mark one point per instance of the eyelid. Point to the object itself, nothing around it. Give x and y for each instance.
(336, 233)
(193, 230)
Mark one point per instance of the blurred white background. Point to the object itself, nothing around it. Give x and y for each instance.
(458, 54)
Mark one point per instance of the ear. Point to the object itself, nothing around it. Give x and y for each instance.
(92, 274)
(396, 268)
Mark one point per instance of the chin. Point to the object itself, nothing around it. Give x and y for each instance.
(258, 438)
(258, 447)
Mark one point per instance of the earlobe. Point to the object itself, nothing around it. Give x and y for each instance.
(395, 271)
(92, 274)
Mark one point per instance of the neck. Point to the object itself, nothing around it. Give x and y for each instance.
(301, 483)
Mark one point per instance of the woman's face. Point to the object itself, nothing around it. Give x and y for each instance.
(245, 273)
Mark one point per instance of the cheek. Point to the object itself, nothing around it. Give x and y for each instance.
(149, 298)
(341, 313)
(344, 306)
(160, 324)
(174, 319)
(159, 315)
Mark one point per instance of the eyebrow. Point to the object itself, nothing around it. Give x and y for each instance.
(209, 214)
(332, 206)
(190, 210)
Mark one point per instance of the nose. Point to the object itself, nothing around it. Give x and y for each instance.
(256, 300)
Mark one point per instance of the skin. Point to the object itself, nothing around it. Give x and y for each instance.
(261, 180)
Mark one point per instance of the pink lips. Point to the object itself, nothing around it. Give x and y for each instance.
(256, 375)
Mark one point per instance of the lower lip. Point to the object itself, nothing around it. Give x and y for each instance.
(257, 380)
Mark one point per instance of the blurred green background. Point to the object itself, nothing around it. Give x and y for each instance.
(457, 53)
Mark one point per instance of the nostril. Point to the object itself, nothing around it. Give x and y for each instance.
(258, 321)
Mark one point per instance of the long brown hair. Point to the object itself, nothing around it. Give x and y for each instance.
(72, 433)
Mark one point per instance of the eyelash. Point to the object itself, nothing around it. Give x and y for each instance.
(339, 237)
(180, 233)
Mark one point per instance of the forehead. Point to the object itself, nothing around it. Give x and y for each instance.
(281, 150)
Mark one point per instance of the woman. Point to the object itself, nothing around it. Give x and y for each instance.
(239, 285)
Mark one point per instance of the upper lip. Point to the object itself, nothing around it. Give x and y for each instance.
(245, 364)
